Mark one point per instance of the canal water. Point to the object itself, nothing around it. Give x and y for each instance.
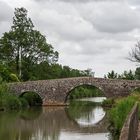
(81, 120)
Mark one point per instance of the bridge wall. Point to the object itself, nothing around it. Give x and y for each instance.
(55, 92)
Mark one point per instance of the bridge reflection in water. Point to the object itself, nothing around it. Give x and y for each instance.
(52, 123)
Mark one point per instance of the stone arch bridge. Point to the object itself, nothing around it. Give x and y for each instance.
(56, 91)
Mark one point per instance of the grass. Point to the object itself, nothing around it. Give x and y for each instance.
(119, 111)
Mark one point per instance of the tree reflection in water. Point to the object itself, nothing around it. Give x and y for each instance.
(49, 123)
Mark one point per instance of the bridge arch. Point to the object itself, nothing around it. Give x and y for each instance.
(54, 92)
(32, 97)
(68, 92)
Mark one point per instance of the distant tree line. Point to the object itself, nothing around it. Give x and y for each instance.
(127, 75)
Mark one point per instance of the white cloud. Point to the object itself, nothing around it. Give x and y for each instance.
(94, 34)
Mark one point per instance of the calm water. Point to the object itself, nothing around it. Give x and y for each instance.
(81, 120)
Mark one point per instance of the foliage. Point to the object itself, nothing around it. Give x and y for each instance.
(85, 91)
(14, 78)
(25, 52)
(8, 101)
(12, 102)
(32, 98)
(127, 75)
(45, 70)
(108, 102)
(6, 75)
(24, 103)
(111, 75)
(118, 114)
(23, 46)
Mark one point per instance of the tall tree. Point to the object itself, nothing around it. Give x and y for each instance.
(23, 46)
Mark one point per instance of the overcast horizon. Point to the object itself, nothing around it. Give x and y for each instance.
(96, 34)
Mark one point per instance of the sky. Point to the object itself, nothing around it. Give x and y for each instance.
(96, 34)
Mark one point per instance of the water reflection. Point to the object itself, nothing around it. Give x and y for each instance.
(95, 99)
(94, 117)
(53, 123)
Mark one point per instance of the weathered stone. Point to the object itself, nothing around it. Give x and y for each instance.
(54, 92)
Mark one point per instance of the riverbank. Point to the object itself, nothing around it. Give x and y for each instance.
(119, 111)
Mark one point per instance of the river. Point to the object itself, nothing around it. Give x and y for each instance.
(82, 120)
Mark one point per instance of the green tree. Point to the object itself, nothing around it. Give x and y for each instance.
(6, 75)
(23, 46)
(127, 75)
(111, 75)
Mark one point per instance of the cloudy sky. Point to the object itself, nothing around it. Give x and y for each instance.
(97, 34)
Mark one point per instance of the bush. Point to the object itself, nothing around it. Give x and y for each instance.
(14, 78)
(32, 98)
(118, 114)
(108, 103)
(24, 103)
(8, 101)
(11, 102)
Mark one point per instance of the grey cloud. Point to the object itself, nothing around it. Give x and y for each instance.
(112, 18)
(77, 1)
(5, 12)
(134, 2)
(87, 34)
(5, 17)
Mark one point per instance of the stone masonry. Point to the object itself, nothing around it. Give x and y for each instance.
(56, 91)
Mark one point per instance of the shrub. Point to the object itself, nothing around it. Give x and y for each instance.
(32, 98)
(8, 101)
(118, 114)
(11, 102)
(108, 103)
(24, 103)
(14, 78)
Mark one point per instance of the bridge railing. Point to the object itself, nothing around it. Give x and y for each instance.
(130, 127)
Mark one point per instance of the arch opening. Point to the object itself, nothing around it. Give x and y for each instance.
(31, 98)
(84, 91)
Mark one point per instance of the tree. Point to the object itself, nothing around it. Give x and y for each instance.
(127, 75)
(111, 75)
(23, 47)
(89, 72)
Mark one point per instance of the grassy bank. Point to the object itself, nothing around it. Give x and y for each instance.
(119, 111)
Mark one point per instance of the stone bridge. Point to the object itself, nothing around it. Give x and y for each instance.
(56, 91)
